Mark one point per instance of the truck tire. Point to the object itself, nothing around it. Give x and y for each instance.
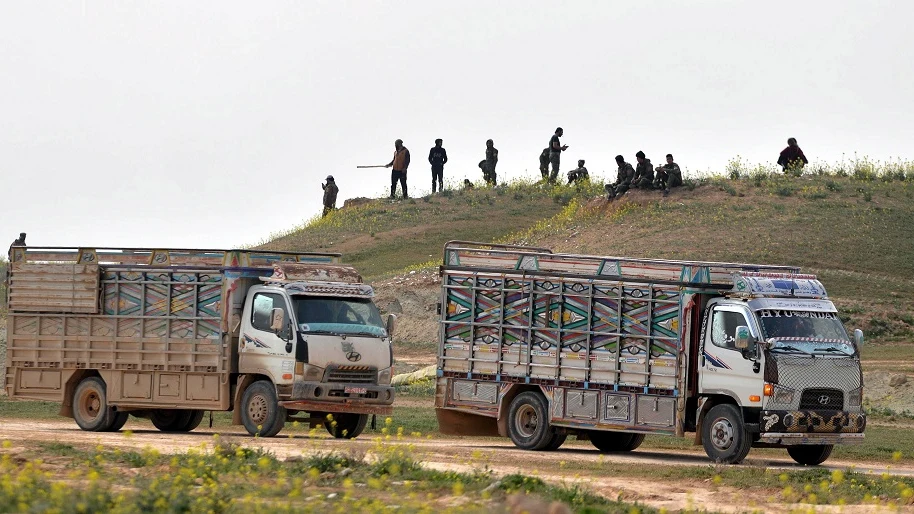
(557, 441)
(348, 426)
(196, 418)
(528, 421)
(120, 419)
(724, 435)
(810, 455)
(261, 414)
(607, 441)
(170, 420)
(90, 406)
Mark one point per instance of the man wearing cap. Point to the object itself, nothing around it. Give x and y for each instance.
(330, 192)
(399, 164)
(437, 157)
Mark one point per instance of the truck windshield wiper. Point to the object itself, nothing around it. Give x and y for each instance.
(833, 350)
(791, 349)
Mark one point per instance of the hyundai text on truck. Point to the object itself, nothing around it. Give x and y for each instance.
(537, 346)
(169, 334)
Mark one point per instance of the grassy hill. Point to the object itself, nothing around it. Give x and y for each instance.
(855, 229)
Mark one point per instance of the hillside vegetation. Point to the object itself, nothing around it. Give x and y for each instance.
(854, 228)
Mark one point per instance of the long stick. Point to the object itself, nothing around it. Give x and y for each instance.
(376, 166)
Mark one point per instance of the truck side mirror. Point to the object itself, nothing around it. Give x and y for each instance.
(277, 320)
(391, 324)
(742, 337)
(858, 337)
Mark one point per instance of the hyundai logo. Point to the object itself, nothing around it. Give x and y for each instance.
(356, 356)
(824, 399)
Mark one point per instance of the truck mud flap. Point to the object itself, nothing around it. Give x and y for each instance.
(310, 406)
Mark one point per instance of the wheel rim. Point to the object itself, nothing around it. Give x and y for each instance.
(90, 405)
(722, 433)
(526, 421)
(257, 409)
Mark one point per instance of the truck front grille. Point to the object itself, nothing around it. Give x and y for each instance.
(352, 375)
(822, 399)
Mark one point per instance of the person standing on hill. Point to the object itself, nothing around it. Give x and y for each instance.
(544, 163)
(400, 163)
(644, 173)
(623, 179)
(488, 165)
(669, 175)
(792, 158)
(437, 157)
(330, 192)
(555, 153)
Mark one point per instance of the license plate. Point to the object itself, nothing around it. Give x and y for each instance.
(355, 390)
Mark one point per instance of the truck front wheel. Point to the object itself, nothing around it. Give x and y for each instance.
(810, 455)
(528, 421)
(346, 426)
(260, 413)
(724, 434)
(607, 441)
(90, 406)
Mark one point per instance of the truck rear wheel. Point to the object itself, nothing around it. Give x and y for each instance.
(90, 406)
(196, 418)
(724, 434)
(120, 419)
(261, 414)
(810, 455)
(528, 421)
(615, 441)
(346, 426)
(557, 441)
(170, 420)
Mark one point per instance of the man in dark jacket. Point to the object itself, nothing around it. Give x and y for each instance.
(644, 172)
(399, 163)
(330, 192)
(623, 179)
(544, 163)
(555, 153)
(488, 165)
(437, 157)
(792, 158)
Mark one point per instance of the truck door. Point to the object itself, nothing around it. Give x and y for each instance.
(261, 349)
(723, 368)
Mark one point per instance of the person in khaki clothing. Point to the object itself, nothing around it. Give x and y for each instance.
(399, 164)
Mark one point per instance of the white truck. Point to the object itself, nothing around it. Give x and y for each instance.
(169, 334)
(536, 346)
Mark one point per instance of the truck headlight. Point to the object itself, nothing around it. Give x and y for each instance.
(855, 397)
(384, 376)
(782, 394)
(311, 372)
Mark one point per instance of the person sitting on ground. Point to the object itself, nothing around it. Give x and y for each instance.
(467, 184)
(623, 179)
(669, 175)
(644, 173)
(792, 158)
(544, 163)
(578, 174)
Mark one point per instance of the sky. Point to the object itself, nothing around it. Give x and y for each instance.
(212, 124)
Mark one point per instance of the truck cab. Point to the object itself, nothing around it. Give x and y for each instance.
(315, 333)
(777, 347)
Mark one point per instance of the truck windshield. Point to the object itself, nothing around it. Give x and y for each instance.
(815, 332)
(336, 315)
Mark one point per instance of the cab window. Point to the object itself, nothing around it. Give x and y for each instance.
(264, 303)
(723, 328)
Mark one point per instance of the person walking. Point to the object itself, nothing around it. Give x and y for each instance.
(555, 153)
(644, 173)
(330, 192)
(437, 157)
(792, 158)
(488, 165)
(400, 164)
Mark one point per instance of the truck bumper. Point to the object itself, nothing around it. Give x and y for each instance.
(790, 439)
(345, 407)
(340, 397)
(808, 422)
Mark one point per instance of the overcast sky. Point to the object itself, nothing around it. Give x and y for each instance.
(213, 124)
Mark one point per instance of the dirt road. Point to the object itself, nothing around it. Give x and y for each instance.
(574, 463)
